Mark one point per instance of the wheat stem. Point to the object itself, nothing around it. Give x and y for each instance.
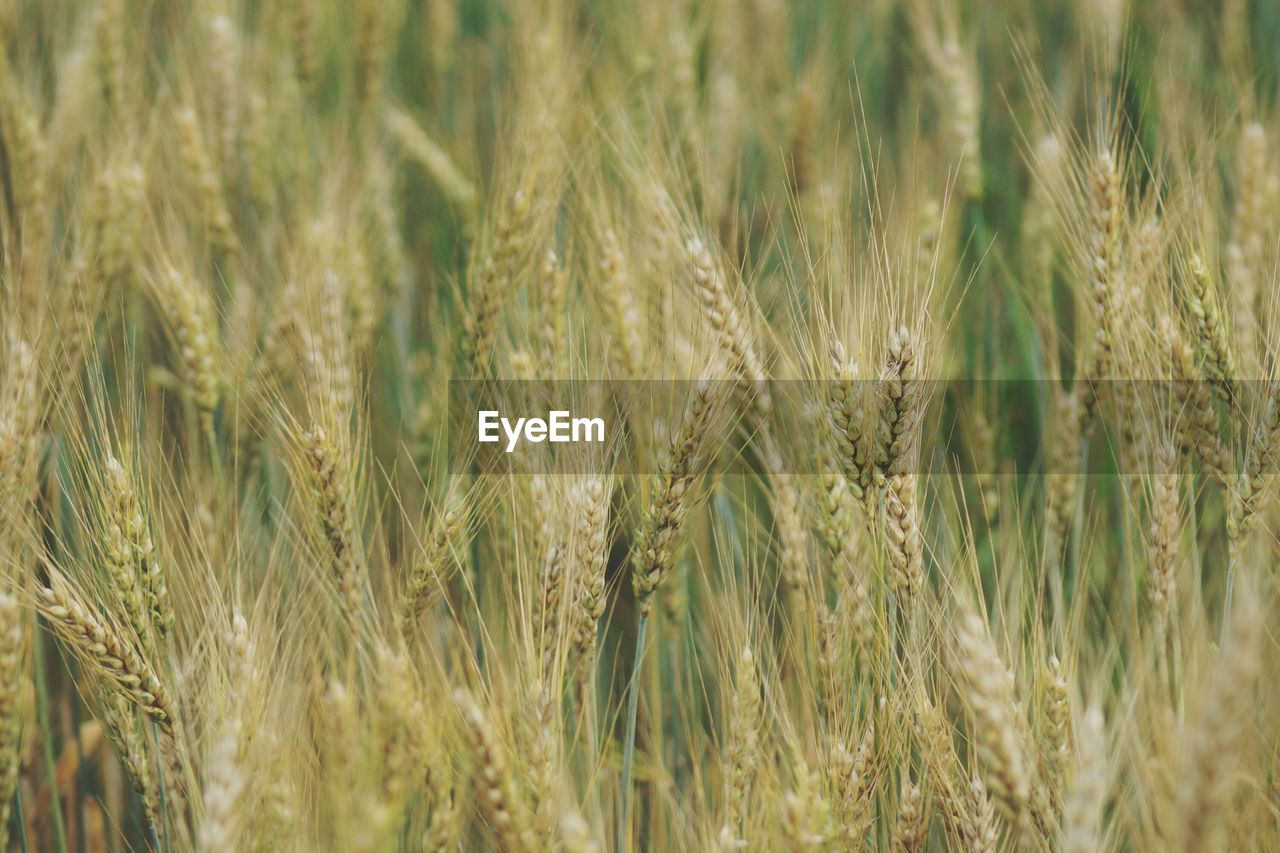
(629, 743)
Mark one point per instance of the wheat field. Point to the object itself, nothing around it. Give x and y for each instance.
(936, 350)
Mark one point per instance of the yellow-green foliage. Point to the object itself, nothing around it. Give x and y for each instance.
(955, 528)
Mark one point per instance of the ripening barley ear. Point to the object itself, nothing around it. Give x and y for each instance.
(589, 553)
(931, 734)
(911, 824)
(553, 288)
(1163, 538)
(387, 230)
(662, 227)
(549, 604)
(106, 650)
(340, 739)
(306, 60)
(1086, 797)
(21, 401)
(1217, 736)
(398, 714)
(730, 327)
(742, 737)
(372, 22)
(897, 456)
(1041, 237)
(664, 519)
(220, 829)
(545, 752)
(1209, 327)
(1244, 259)
(1198, 426)
(191, 315)
(836, 525)
(855, 776)
(1105, 208)
(204, 180)
(120, 724)
(493, 277)
(806, 817)
(433, 565)
(616, 285)
(28, 171)
(575, 834)
(224, 56)
(129, 552)
(1248, 496)
(113, 228)
(958, 90)
(109, 52)
(985, 459)
(847, 412)
(112, 657)
(444, 824)
(13, 633)
(1062, 475)
(981, 832)
(328, 483)
(967, 811)
(789, 530)
(987, 688)
(904, 539)
(363, 297)
(1056, 739)
(659, 537)
(326, 349)
(500, 799)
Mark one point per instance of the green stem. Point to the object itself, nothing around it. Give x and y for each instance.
(629, 746)
(1226, 606)
(215, 454)
(22, 819)
(587, 727)
(1129, 589)
(1233, 551)
(82, 774)
(50, 764)
(670, 726)
(163, 830)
